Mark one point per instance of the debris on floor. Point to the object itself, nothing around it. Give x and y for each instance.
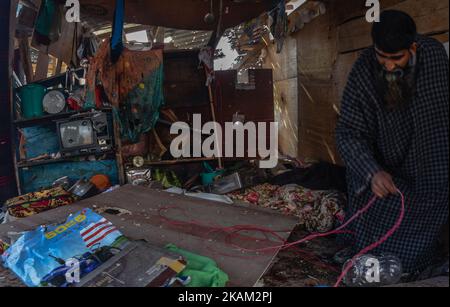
(318, 211)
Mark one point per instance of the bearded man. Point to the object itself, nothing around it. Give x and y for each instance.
(393, 136)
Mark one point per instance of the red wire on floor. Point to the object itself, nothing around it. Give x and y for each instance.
(369, 248)
(234, 231)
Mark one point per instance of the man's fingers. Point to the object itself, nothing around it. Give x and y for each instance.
(389, 185)
(381, 187)
(392, 188)
(378, 191)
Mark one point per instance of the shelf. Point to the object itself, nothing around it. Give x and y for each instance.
(173, 162)
(29, 122)
(25, 164)
(56, 80)
(22, 123)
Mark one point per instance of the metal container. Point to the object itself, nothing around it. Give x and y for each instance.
(139, 176)
(83, 188)
(31, 97)
(227, 184)
(54, 102)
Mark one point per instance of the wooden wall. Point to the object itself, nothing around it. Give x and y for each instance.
(7, 181)
(326, 50)
(284, 66)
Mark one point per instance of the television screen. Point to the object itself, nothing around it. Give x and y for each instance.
(77, 134)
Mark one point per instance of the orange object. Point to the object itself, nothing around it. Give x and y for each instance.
(101, 182)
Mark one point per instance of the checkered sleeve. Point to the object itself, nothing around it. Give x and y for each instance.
(355, 141)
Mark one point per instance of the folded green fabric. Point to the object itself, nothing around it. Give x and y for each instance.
(203, 271)
(45, 19)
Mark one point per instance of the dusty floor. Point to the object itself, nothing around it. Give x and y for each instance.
(305, 266)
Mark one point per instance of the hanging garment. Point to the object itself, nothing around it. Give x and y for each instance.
(48, 24)
(117, 31)
(133, 85)
(279, 27)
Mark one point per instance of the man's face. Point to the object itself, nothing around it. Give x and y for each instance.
(396, 76)
(394, 61)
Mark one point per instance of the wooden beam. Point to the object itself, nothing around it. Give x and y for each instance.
(26, 58)
(431, 17)
(58, 67)
(42, 66)
(12, 31)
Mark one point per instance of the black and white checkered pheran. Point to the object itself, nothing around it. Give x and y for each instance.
(411, 143)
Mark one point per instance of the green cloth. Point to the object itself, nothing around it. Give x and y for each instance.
(45, 19)
(139, 112)
(203, 271)
(167, 178)
(49, 21)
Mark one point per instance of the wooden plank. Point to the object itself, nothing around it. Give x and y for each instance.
(443, 38)
(342, 69)
(178, 14)
(317, 52)
(63, 48)
(12, 29)
(316, 45)
(316, 104)
(284, 64)
(41, 67)
(286, 114)
(318, 145)
(431, 17)
(58, 67)
(345, 10)
(25, 56)
(147, 223)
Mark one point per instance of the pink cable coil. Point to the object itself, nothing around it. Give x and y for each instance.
(371, 247)
(339, 230)
(389, 234)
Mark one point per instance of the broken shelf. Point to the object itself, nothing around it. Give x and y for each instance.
(26, 164)
(29, 122)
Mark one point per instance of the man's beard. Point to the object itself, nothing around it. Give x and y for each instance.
(396, 88)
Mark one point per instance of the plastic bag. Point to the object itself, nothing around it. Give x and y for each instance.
(45, 256)
(201, 271)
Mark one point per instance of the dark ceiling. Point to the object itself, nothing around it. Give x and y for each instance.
(179, 14)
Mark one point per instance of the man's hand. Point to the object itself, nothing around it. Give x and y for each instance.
(383, 185)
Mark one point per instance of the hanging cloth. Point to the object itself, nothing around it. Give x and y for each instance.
(48, 24)
(117, 31)
(133, 85)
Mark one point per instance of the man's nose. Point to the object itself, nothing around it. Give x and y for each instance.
(390, 66)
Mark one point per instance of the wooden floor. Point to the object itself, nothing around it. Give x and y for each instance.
(147, 219)
(143, 217)
(438, 282)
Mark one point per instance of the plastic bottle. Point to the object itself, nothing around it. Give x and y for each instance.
(374, 271)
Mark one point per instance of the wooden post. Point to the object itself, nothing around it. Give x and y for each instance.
(24, 48)
(213, 114)
(7, 31)
(42, 66)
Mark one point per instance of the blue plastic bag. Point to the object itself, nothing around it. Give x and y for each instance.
(45, 256)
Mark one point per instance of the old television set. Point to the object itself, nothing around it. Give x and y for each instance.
(84, 134)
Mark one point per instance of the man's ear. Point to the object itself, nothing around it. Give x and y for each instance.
(413, 48)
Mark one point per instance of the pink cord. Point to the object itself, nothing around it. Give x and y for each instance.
(239, 228)
(389, 234)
